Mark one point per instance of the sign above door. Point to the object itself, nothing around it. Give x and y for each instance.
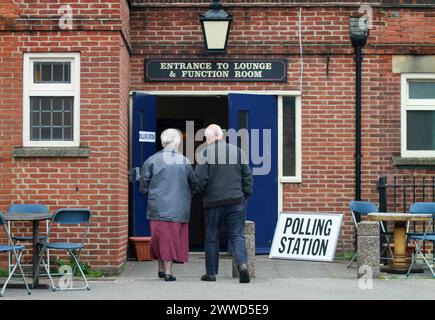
(235, 70)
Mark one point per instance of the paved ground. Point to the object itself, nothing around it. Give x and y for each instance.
(275, 280)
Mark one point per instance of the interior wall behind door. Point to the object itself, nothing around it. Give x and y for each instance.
(210, 109)
(173, 112)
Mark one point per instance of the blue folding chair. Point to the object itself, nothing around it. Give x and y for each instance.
(27, 208)
(10, 247)
(422, 208)
(363, 208)
(68, 218)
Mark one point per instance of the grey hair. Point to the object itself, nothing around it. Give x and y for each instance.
(214, 131)
(170, 137)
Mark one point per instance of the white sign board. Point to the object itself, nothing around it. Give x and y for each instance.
(147, 136)
(306, 236)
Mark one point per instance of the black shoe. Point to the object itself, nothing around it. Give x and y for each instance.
(208, 277)
(161, 274)
(244, 274)
(170, 277)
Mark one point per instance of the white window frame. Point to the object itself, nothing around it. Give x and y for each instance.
(297, 178)
(31, 89)
(413, 105)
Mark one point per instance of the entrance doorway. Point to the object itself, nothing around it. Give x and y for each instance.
(175, 112)
(257, 113)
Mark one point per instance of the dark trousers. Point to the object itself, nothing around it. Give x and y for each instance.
(233, 216)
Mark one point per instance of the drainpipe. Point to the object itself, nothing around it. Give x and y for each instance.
(358, 30)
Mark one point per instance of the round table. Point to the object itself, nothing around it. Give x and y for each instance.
(400, 262)
(34, 218)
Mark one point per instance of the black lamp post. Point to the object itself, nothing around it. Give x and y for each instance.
(359, 31)
(215, 25)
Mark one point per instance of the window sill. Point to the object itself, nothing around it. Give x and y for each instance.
(290, 180)
(413, 162)
(54, 152)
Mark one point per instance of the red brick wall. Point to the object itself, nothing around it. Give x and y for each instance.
(100, 33)
(8, 9)
(328, 107)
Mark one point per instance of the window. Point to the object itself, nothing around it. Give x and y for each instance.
(289, 124)
(418, 115)
(243, 139)
(51, 100)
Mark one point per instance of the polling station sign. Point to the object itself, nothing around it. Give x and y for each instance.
(308, 236)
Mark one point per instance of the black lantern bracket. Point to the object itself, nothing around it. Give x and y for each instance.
(215, 24)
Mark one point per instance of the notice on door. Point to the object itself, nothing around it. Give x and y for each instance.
(147, 136)
(216, 70)
(306, 236)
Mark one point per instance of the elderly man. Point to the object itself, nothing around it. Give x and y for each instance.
(225, 179)
(169, 180)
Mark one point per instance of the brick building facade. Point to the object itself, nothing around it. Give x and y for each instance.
(114, 37)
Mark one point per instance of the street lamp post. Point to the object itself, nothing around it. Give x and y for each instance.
(215, 25)
(358, 30)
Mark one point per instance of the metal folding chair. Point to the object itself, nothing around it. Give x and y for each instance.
(363, 208)
(10, 247)
(27, 208)
(422, 208)
(68, 218)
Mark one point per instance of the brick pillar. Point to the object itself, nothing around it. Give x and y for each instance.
(250, 247)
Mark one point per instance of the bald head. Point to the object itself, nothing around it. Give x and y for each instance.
(213, 133)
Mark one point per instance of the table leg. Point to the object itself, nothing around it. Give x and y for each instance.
(400, 261)
(36, 284)
(35, 254)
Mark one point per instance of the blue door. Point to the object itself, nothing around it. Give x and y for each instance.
(259, 112)
(143, 144)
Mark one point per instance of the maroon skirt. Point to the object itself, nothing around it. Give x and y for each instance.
(169, 241)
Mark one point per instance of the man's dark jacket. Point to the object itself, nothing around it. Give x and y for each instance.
(223, 174)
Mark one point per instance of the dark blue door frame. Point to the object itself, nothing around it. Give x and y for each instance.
(144, 115)
(262, 113)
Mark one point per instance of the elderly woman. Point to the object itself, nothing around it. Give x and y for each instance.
(169, 180)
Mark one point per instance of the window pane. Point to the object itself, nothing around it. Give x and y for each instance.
(421, 130)
(45, 104)
(37, 72)
(46, 72)
(52, 72)
(67, 121)
(243, 139)
(66, 72)
(46, 118)
(57, 118)
(68, 136)
(45, 133)
(289, 137)
(57, 104)
(57, 133)
(35, 133)
(67, 104)
(34, 104)
(422, 90)
(35, 120)
(51, 122)
(57, 72)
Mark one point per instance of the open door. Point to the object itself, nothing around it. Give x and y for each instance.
(259, 112)
(143, 144)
